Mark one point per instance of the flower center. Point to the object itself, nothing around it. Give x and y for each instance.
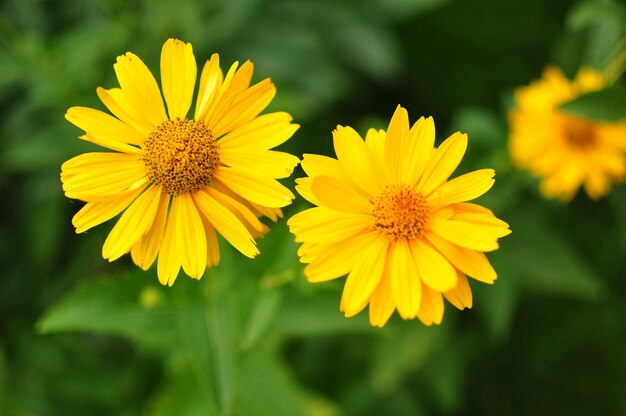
(578, 133)
(181, 156)
(400, 212)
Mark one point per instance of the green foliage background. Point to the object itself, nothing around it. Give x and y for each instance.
(80, 336)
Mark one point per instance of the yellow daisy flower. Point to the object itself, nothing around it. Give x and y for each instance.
(180, 179)
(564, 150)
(388, 217)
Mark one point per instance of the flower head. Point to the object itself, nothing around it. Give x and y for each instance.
(179, 179)
(564, 150)
(389, 218)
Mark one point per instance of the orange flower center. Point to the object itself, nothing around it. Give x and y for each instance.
(578, 132)
(181, 156)
(400, 212)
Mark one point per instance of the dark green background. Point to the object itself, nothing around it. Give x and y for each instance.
(253, 338)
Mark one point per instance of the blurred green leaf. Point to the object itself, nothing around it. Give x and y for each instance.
(605, 23)
(265, 307)
(266, 386)
(498, 303)
(317, 315)
(366, 46)
(208, 329)
(112, 305)
(482, 125)
(593, 11)
(445, 376)
(608, 104)
(399, 354)
(180, 393)
(542, 261)
(404, 9)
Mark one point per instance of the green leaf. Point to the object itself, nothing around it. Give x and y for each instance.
(541, 261)
(404, 9)
(604, 24)
(482, 125)
(607, 105)
(208, 330)
(180, 393)
(266, 386)
(593, 12)
(401, 353)
(130, 305)
(498, 302)
(265, 307)
(317, 315)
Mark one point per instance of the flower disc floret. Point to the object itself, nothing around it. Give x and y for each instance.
(400, 211)
(181, 156)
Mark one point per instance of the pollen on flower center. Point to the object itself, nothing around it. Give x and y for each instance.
(181, 156)
(579, 133)
(400, 212)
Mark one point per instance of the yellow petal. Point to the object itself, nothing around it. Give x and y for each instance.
(263, 132)
(443, 161)
(242, 212)
(431, 309)
(461, 295)
(267, 163)
(364, 277)
(213, 247)
(245, 107)
(102, 127)
(395, 144)
(470, 262)
(213, 98)
(140, 87)
(95, 213)
(418, 147)
(479, 215)
(132, 225)
(272, 213)
(338, 196)
(102, 176)
(178, 76)
(309, 252)
(235, 82)
(338, 259)
(225, 222)
(111, 144)
(356, 160)
(303, 187)
(405, 279)
(117, 103)
(382, 304)
(210, 85)
(168, 263)
(145, 252)
(465, 187)
(375, 142)
(261, 190)
(324, 225)
(259, 210)
(190, 236)
(465, 234)
(435, 270)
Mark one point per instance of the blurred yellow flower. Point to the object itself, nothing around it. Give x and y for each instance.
(564, 150)
(388, 217)
(180, 179)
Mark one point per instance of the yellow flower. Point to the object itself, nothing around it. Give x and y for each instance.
(388, 217)
(564, 150)
(180, 179)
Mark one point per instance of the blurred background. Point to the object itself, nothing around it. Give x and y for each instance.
(80, 336)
